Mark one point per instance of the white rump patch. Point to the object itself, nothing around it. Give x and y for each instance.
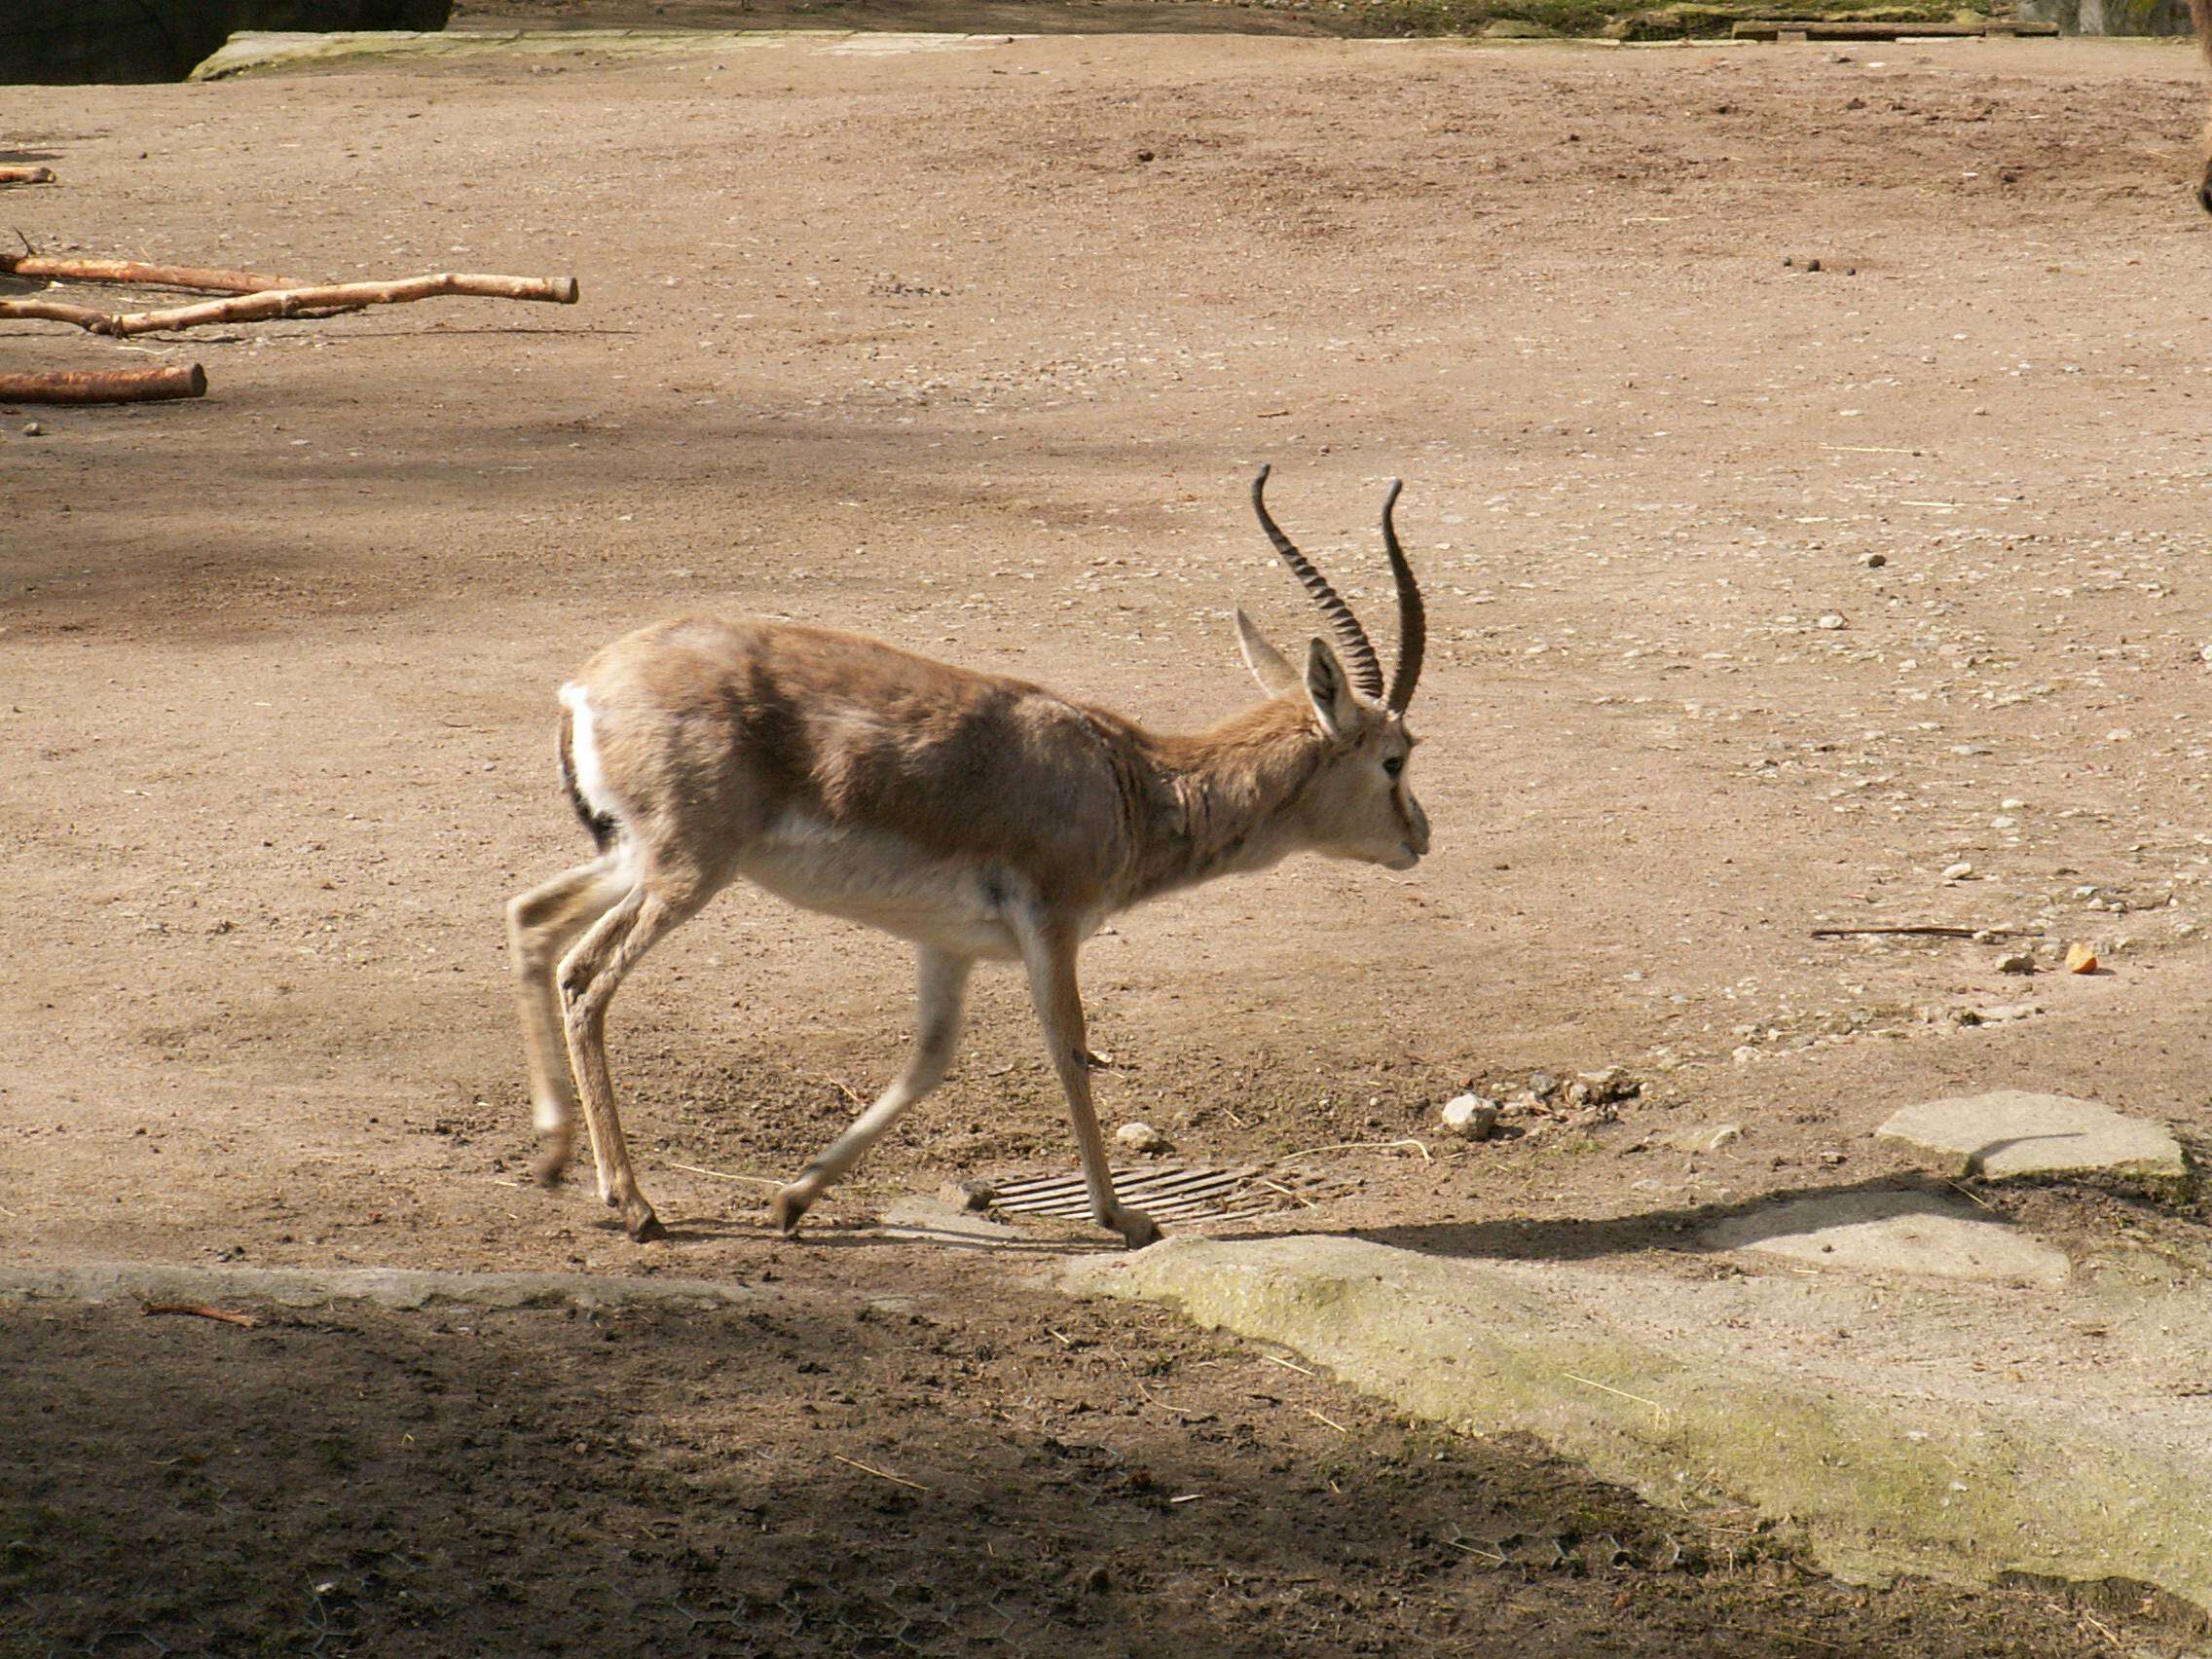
(583, 752)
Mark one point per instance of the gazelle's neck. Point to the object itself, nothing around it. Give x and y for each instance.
(1222, 801)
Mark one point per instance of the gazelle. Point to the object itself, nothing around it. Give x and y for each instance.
(2200, 14)
(976, 815)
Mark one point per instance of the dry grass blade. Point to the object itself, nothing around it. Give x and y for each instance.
(222, 1316)
(1421, 1147)
(879, 1474)
(721, 1176)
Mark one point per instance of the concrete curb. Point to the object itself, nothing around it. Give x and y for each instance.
(254, 53)
(385, 1287)
(1880, 1483)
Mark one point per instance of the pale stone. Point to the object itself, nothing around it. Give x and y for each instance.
(1140, 1137)
(1700, 1138)
(2016, 1132)
(1470, 1115)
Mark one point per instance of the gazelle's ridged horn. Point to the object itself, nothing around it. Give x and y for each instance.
(1412, 615)
(1352, 639)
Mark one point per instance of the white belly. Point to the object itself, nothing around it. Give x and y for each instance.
(886, 881)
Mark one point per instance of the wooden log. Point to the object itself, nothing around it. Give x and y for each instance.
(296, 302)
(104, 385)
(27, 175)
(60, 269)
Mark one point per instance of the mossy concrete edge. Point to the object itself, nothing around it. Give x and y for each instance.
(261, 51)
(1878, 1486)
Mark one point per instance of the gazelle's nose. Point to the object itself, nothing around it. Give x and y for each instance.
(2204, 192)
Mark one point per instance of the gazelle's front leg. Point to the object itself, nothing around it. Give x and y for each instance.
(1048, 952)
(940, 979)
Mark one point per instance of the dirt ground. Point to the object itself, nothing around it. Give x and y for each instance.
(977, 350)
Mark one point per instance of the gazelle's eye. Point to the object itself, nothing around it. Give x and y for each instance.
(1394, 765)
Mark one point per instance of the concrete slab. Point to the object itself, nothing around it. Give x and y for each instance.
(1894, 1232)
(262, 52)
(1876, 1426)
(2011, 1132)
(385, 1287)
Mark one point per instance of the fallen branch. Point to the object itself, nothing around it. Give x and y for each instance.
(27, 175)
(1928, 931)
(223, 1315)
(104, 385)
(212, 280)
(296, 302)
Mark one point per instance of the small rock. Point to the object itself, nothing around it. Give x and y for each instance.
(2019, 962)
(972, 1196)
(1604, 1088)
(1959, 871)
(1874, 560)
(1542, 1084)
(1144, 155)
(1140, 1137)
(1831, 623)
(33, 429)
(1471, 1116)
(1702, 1138)
(2080, 959)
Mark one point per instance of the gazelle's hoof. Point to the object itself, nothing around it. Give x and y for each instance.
(1137, 1228)
(550, 1165)
(640, 1224)
(787, 1209)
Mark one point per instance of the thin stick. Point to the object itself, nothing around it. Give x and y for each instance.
(1622, 1392)
(1330, 1422)
(294, 302)
(1362, 1146)
(716, 1174)
(1972, 1193)
(1927, 929)
(213, 279)
(1287, 1366)
(880, 1474)
(1469, 1549)
(244, 1321)
(27, 175)
(104, 385)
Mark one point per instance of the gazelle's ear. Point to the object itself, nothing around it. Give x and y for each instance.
(1334, 705)
(1269, 666)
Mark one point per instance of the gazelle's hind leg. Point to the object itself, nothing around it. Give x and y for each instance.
(939, 981)
(541, 924)
(590, 975)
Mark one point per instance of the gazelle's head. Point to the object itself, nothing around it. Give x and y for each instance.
(1359, 803)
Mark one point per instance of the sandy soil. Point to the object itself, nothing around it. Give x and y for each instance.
(976, 350)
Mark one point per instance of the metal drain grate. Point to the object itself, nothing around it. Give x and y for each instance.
(1174, 1193)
